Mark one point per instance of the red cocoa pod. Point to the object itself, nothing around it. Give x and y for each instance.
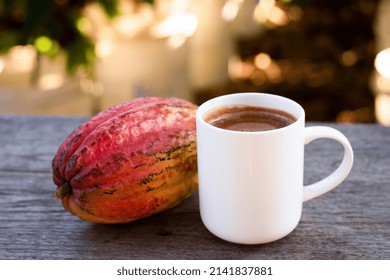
(131, 161)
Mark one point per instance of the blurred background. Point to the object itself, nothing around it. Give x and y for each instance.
(73, 57)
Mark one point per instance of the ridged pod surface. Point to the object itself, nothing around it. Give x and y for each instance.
(128, 162)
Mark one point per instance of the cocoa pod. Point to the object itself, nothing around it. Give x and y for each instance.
(131, 161)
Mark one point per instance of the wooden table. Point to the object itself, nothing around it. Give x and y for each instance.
(350, 222)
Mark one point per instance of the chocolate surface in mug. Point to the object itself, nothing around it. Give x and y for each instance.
(248, 118)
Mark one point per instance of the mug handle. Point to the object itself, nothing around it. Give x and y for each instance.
(334, 179)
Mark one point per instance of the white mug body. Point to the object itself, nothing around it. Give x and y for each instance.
(251, 183)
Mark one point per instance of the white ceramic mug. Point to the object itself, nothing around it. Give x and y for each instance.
(251, 183)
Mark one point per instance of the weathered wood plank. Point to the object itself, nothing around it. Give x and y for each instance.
(29, 143)
(351, 222)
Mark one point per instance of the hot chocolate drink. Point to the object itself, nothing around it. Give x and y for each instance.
(249, 118)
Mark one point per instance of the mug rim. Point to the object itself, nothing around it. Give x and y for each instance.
(203, 109)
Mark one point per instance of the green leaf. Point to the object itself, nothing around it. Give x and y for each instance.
(110, 7)
(8, 40)
(148, 1)
(80, 53)
(37, 14)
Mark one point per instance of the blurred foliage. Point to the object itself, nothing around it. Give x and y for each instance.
(51, 26)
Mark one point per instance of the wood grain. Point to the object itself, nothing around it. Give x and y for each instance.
(350, 222)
